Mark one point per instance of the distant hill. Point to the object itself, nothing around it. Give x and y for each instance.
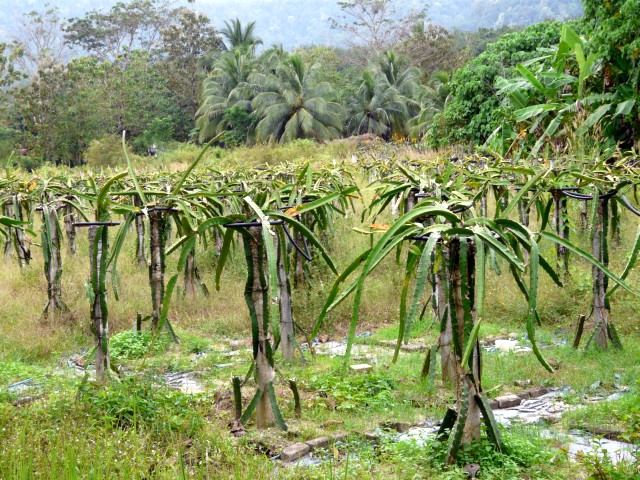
(295, 23)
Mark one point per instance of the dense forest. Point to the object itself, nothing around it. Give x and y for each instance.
(166, 74)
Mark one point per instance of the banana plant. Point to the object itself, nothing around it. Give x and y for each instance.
(551, 100)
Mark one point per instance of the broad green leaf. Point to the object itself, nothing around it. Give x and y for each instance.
(624, 108)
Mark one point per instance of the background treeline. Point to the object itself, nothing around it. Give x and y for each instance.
(166, 74)
(294, 23)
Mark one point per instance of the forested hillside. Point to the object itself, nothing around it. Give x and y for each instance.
(295, 23)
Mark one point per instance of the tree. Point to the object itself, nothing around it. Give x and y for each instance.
(616, 38)
(474, 43)
(113, 35)
(238, 37)
(240, 125)
(374, 108)
(143, 95)
(473, 111)
(395, 69)
(38, 42)
(556, 100)
(432, 48)
(405, 80)
(227, 86)
(433, 101)
(184, 43)
(9, 75)
(294, 105)
(8, 72)
(65, 108)
(378, 24)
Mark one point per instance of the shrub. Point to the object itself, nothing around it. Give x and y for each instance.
(473, 110)
(106, 151)
(240, 125)
(159, 133)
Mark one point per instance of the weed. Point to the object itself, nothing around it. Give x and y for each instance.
(374, 390)
(134, 402)
(601, 467)
(128, 344)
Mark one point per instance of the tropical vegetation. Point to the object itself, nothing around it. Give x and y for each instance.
(413, 257)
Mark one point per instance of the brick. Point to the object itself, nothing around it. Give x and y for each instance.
(294, 452)
(320, 442)
(508, 401)
(538, 392)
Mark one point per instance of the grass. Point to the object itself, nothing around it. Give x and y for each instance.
(140, 428)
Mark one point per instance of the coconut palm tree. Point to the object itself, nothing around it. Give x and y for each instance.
(292, 104)
(387, 99)
(433, 100)
(407, 80)
(240, 38)
(375, 106)
(271, 58)
(226, 87)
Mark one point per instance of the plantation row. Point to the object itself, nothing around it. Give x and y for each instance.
(456, 217)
